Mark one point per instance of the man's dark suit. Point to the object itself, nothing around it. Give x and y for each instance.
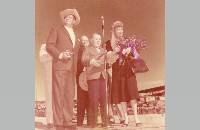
(63, 75)
(82, 95)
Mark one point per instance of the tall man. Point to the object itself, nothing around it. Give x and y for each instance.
(63, 46)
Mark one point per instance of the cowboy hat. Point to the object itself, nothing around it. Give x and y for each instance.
(67, 12)
(83, 81)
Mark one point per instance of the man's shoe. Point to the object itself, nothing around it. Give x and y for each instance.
(59, 127)
(93, 126)
(71, 127)
(79, 125)
(49, 126)
(105, 125)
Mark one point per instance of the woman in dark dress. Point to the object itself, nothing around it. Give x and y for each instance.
(129, 90)
(125, 76)
(114, 75)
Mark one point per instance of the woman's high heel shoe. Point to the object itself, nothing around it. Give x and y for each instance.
(111, 120)
(121, 120)
(138, 124)
(126, 122)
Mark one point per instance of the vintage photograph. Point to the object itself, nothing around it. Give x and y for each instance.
(100, 64)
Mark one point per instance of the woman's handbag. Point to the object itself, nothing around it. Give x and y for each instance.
(139, 65)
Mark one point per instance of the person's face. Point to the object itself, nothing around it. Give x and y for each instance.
(96, 40)
(69, 20)
(119, 31)
(85, 41)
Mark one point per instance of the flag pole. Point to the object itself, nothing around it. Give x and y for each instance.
(106, 77)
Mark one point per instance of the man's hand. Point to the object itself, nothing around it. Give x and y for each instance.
(68, 53)
(95, 62)
(65, 56)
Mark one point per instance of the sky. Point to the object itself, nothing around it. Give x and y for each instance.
(144, 18)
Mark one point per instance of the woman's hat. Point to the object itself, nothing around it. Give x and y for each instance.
(67, 12)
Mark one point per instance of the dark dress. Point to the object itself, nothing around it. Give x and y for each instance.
(129, 89)
(124, 84)
(114, 87)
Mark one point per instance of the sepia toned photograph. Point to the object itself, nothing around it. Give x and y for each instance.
(100, 64)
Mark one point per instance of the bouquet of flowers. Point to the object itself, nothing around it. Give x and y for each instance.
(127, 45)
